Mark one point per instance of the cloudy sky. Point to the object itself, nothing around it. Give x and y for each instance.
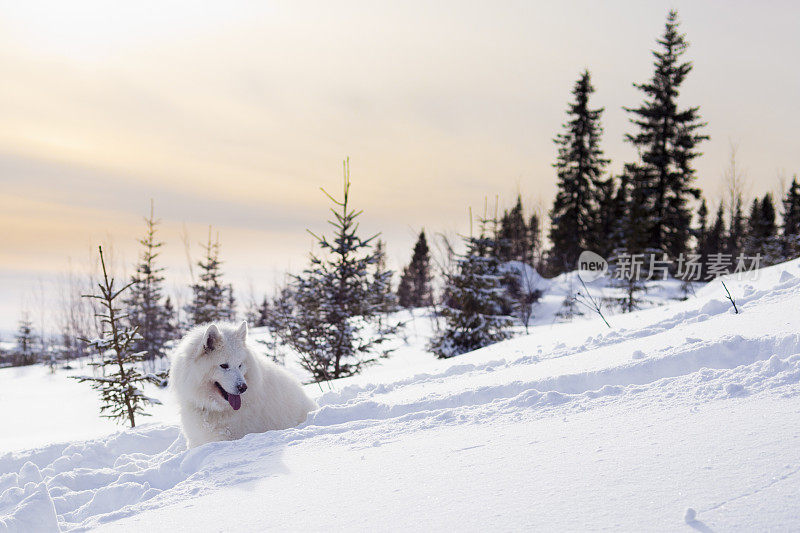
(235, 113)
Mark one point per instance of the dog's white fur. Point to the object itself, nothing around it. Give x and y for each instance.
(273, 399)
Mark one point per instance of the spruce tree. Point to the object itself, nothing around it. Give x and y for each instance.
(337, 323)
(791, 209)
(535, 242)
(257, 314)
(715, 244)
(761, 224)
(603, 235)
(701, 238)
(667, 141)
(619, 208)
(579, 165)
(279, 319)
(120, 383)
(769, 227)
(628, 261)
(210, 298)
(514, 236)
(264, 312)
(736, 232)
(229, 309)
(762, 231)
(24, 354)
(790, 234)
(382, 281)
(172, 329)
(473, 306)
(415, 283)
(754, 227)
(404, 289)
(514, 249)
(144, 304)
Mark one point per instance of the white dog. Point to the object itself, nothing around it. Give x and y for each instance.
(225, 390)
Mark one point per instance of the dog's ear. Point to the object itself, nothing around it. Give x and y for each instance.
(241, 333)
(211, 338)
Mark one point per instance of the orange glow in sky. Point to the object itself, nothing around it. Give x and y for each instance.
(234, 114)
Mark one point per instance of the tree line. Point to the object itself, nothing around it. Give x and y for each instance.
(338, 314)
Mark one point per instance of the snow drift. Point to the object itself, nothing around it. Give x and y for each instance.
(687, 407)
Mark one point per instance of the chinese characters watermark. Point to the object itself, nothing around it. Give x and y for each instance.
(658, 266)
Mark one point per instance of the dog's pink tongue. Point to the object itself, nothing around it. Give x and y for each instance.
(235, 400)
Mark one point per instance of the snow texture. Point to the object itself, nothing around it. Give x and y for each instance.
(681, 417)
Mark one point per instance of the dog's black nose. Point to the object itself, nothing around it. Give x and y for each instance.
(242, 387)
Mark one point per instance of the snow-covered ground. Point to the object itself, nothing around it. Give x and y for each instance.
(680, 411)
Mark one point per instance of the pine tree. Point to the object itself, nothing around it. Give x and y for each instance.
(762, 231)
(603, 235)
(791, 209)
(337, 323)
(171, 325)
(772, 242)
(404, 297)
(279, 320)
(535, 234)
(473, 307)
(24, 354)
(144, 304)
(769, 226)
(210, 298)
(628, 261)
(754, 227)
(790, 235)
(414, 289)
(666, 140)
(514, 249)
(229, 309)
(514, 236)
(257, 314)
(382, 282)
(701, 238)
(736, 232)
(715, 244)
(580, 164)
(120, 385)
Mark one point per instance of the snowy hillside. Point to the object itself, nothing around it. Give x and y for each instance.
(681, 411)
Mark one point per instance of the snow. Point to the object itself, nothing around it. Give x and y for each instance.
(681, 417)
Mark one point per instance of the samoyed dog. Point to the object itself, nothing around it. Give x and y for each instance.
(225, 390)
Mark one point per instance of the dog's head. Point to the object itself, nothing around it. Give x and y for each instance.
(224, 353)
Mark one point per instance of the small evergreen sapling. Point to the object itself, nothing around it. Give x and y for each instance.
(473, 306)
(415, 283)
(514, 236)
(120, 385)
(569, 305)
(339, 302)
(145, 304)
(24, 354)
(211, 300)
(277, 317)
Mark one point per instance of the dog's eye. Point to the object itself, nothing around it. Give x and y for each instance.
(224, 366)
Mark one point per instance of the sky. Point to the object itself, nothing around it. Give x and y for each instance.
(234, 114)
